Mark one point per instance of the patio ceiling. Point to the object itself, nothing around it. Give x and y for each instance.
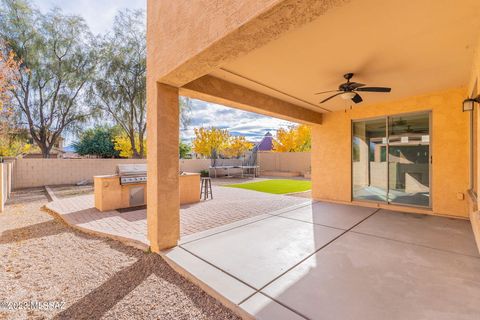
(415, 47)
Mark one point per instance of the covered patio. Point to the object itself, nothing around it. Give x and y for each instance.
(394, 172)
(333, 261)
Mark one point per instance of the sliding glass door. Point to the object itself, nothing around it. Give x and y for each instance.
(369, 160)
(391, 160)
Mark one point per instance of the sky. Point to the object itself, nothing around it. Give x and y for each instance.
(99, 15)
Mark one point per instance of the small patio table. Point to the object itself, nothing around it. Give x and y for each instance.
(227, 168)
(248, 168)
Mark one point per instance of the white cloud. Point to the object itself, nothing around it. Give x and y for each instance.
(238, 122)
(98, 14)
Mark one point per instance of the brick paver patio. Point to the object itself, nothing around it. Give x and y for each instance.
(229, 205)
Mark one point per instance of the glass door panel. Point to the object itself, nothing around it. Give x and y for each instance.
(409, 159)
(369, 160)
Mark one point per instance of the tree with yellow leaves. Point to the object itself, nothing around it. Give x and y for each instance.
(236, 147)
(8, 73)
(293, 139)
(11, 146)
(210, 142)
(13, 141)
(124, 146)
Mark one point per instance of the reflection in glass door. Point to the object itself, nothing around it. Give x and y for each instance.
(409, 159)
(369, 160)
(391, 160)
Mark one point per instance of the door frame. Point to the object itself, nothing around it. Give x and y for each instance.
(387, 122)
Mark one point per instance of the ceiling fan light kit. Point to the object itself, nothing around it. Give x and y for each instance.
(347, 95)
(349, 90)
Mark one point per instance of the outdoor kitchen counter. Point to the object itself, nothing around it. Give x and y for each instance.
(111, 195)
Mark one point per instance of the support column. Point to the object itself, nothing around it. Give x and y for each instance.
(163, 208)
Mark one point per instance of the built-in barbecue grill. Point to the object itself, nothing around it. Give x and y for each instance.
(127, 188)
(132, 173)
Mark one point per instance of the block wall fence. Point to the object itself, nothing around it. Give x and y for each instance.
(27, 173)
(6, 182)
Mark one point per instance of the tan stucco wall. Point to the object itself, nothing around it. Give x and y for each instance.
(473, 90)
(331, 149)
(187, 39)
(284, 161)
(48, 172)
(218, 91)
(111, 195)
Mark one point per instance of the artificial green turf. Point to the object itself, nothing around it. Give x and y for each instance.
(276, 186)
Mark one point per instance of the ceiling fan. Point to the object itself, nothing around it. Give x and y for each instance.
(349, 89)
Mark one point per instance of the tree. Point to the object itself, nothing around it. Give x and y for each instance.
(123, 145)
(13, 140)
(183, 149)
(9, 68)
(236, 147)
(185, 104)
(213, 142)
(120, 86)
(98, 141)
(210, 142)
(57, 62)
(293, 139)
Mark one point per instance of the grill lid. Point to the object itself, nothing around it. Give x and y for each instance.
(124, 170)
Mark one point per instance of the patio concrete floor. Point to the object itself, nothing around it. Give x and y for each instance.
(331, 261)
(280, 257)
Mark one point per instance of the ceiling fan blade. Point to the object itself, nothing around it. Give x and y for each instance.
(325, 100)
(327, 91)
(374, 89)
(355, 85)
(357, 98)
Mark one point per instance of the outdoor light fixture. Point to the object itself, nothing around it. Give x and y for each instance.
(348, 95)
(468, 104)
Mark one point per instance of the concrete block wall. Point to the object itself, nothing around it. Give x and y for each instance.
(5, 183)
(194, 165)
(40, 172)
(29, 173)
(284, 161)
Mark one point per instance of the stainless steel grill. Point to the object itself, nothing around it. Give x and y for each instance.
(132, 173)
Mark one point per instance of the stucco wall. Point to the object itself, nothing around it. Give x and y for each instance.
(284, 161)
(5, 183)
(217, 31)
(41, 172)
(331, 150)
(473, 90)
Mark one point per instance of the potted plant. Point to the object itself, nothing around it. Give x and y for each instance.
(204, 173)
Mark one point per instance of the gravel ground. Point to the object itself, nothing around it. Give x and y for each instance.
(94, 278)
(28, 195)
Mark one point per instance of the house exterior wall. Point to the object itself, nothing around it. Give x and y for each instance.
(474, 90)
(331, 150)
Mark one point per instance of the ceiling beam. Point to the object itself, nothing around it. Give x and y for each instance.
(212, 89)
